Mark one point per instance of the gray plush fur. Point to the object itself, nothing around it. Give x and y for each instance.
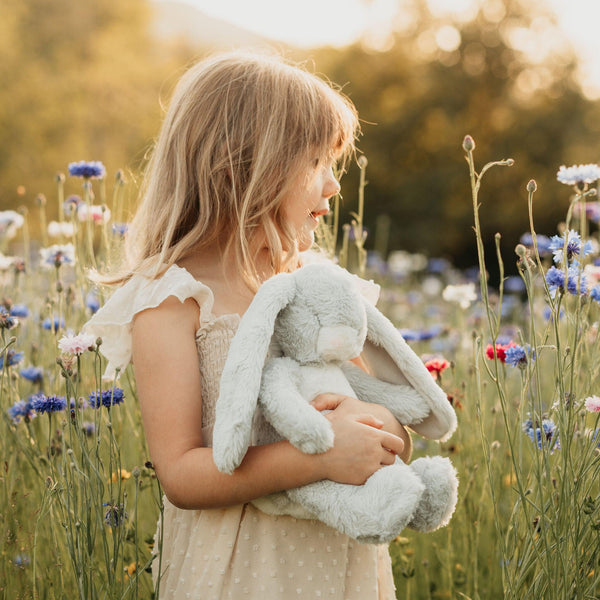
(294, 342)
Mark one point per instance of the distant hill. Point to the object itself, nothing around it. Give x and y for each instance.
(173, 20)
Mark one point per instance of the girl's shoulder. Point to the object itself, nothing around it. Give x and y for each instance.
(114, 320)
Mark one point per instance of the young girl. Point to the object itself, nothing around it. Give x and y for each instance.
(240, 175)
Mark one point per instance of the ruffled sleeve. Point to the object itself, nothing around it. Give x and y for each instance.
(113, 321)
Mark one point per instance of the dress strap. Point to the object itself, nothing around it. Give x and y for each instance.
(113, 321)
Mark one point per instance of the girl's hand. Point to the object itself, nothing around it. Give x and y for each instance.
(361, 446)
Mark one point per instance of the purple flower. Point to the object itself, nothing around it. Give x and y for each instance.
(19, 310)
(555, 278)
(418, 335)
(7, 321)
(70, 205)
(106, 398)
(115, 514)
(92, 301)
(48, 404)
(87, 169)
(12, 358)
(33, 374)
(547, 433)
(88, 428)
(120, 229)
(574, 246)
(519, 356)
(22, 409)
(543, 242)
(54, 324)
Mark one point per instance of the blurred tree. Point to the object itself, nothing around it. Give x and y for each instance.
(81, 81)
(506, 77)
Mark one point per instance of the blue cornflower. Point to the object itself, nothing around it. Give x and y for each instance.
(595, 293)
(87, 169)
(519, 356)
(48, 404)
(578, 174)
(547, 433)
(514, 284)
(106, 398)
(120, 229)
(88, 428)
(33, 374)
(547, 313)
(92, 301)
(7, 321)
(574, 246)
(555, 278)
(19, 310)
(418, 335)
(438, 265)
(12, 358)
(22, 561)
(53, 324)
(22, 409)
(543, 242)
(70, 205)
(115, 514)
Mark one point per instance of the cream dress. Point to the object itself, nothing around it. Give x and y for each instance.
(236, 552)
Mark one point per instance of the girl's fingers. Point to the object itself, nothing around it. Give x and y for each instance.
(392, 442)
(327, 401)
(369, 420)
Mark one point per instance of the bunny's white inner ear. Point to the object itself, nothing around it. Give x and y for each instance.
(391, 359)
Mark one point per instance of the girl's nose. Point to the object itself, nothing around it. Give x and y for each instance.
(332, 186)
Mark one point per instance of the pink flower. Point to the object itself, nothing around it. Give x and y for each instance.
(592, 404)
(76, 344)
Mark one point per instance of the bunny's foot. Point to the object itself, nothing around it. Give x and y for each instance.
(439, 498)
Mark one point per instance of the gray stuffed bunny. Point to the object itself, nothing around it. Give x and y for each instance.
(294, 342)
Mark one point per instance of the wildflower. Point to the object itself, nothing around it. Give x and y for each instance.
(53, 324)
(543, 242)
(48, 404)
(592, 404)
(70, 205)
(576, 283)
(438, 265)
(413, 335)
(56, 229)
(92, 301)
(436, 366)
(6, 262)
(106, 398)
(76, 344)
(12, 358)
(546, 433)
(57, 255)
(574, 246)
(115, 514)
(7, 321)
(498, 351)
(514, 284)
(463, 294)
(21, 561)
(22, 409)
(88, 428)
(121, 474)
(578, 174)
(87, 169)
(10, 221)
(130, 569)
(19, 310)
(595, 293)
(120, 229)
(95, 213)
(33, 374)
(592, 210)
(518, 356)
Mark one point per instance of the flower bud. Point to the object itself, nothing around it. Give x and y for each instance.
(362, 161)
(468, 144)
(509, 162)
(59, 178)
(40, 200)
(531, 186)
(520, 250)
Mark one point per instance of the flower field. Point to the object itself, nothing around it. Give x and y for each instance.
(519, 362)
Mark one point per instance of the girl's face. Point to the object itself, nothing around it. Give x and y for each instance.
(309, 200)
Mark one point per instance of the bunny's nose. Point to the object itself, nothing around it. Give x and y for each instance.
(339, 343)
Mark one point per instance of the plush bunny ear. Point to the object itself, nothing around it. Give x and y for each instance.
(240, 380)
(391, 359)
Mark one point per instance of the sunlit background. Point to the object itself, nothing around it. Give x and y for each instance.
(90, 80)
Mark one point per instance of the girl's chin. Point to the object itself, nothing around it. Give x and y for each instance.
(306, 240)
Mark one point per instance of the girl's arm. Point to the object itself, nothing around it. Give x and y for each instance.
(168, 380)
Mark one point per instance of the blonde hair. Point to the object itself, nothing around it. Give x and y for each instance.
(238, 131)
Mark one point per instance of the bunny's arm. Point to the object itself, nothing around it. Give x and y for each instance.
(289, 413)
(403, 401)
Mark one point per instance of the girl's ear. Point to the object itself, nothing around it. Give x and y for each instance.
(241, 377)
(391, 359)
